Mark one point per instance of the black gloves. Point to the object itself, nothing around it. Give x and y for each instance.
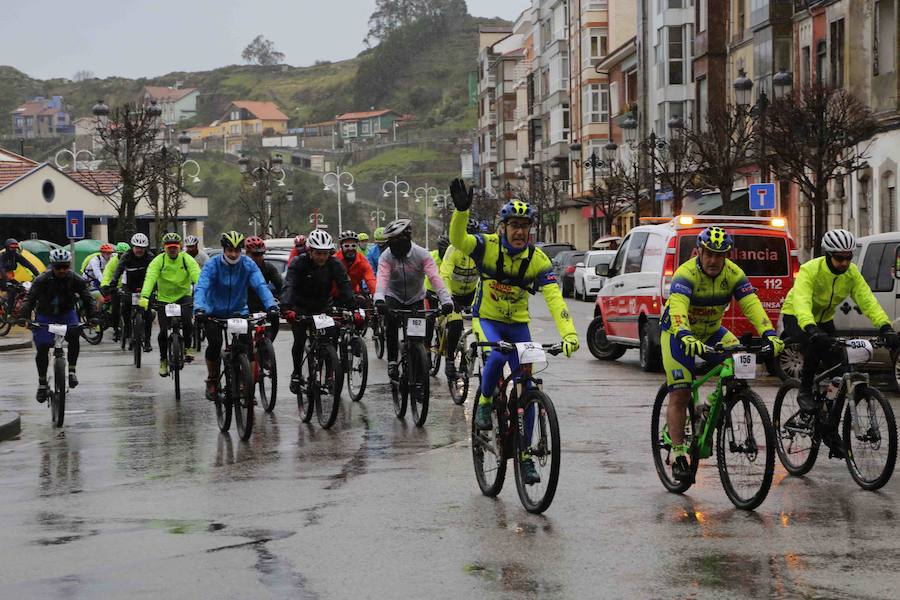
(462, 198)
(200, 315)
(106, 290)
(816, 335)
(447, 308)
(273, 314)
(381, 307)
(890, 337)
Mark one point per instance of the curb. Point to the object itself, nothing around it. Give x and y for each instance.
(15, 346)
(10, 425)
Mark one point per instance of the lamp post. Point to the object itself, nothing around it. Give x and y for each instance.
(338, 177)
(650, 147)
(377, 216)
(266, 175)
(398, 186)
(442, 201)
(426, 190)
(593, 163)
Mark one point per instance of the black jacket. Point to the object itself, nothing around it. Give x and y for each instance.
(307, 288)
(273, 279)
(51, 295)
(9, 261)
(135, 268)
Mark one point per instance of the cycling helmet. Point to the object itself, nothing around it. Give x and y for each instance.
(715, 239)
(398, 228)
(171, 239)
(60, 256)
(348, 234)
(107, 248)
(11, 243)
(364, 237)
(838, 240)
(472, 225)
(300, 241)
(191, 240)
(255, 244)
(320, 239)
(379, 234)
(232, 239)
(123, 247)
(443, 243)
(140, 240)
(516, 209)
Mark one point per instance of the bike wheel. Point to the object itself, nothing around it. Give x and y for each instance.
(92, 335)
(357, 368)
(419, 385)
(487, 455)
(176, 354)
(137, 337)
(308, 393)
(542, 433)
(459, 387)
(223, 403)
(378, 335)
(330, 382)
(797, 445)
(662, 450)
(268, 374)
(871, 454)
(242, 397)
(58, 399)
(123, 339)
(5, 323)
(745, 449)
(434, 352)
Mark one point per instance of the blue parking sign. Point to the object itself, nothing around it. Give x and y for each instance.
(75, 224)
(762, 196)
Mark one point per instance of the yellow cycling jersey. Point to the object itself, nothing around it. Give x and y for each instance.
(459, 272)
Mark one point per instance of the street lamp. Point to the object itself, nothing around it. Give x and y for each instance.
(650, 146)
(425, 189)
(743, 93)
(782, 84)
(338, 180)
(397, 185)
(266, 175)
(593, 163)
(377, 216)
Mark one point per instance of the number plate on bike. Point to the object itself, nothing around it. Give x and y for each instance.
(135, 299)
(173, 310)
(859, 351)
(744, 365)
(530, 353)
(323, 321)
(415, 327)
(57, 329)
(237, 326)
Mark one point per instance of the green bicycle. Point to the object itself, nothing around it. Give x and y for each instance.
(744, 437)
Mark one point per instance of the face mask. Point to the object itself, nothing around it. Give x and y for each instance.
(400, 248)
(231, 261)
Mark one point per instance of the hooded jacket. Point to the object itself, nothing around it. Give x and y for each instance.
(222, 288)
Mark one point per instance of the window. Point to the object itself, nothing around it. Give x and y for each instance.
(631, 87)
(596, 103)
(837, 53)
(876, 21)
(614, 105)
(804, 65)
(635, 255)
(888, 202)
(654, 251)
(350, 130)
(702, 103)
(676, 55)
(701, 22)
(235, 115)
(599, 43)
(235, 130)
(876, 268)
(821, 58)
(675, 3)
(741, 18)
(366, 127)
(619, 262)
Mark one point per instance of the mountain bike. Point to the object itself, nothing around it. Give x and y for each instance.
(437, 343)
(744, 437)
(320, 388)
(524, 425)
(56, 398)
(174, 341)
(412, 384)
(464, 360)
(353, 354)
(235, 388)
(378, 333)
(263, 363)
(868, 438)
(18, 291)
(93, 335)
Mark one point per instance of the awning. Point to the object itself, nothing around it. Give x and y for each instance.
(586, 212)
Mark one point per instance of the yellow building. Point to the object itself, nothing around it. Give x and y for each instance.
(242, 118)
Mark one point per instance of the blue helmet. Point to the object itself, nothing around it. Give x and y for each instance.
(516, 209)
(715, 239)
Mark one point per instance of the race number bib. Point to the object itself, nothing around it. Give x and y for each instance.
(57, 328)
(530, 353)
(744, 365)
(237, 326)
(259, 315)
(323, 321)
(859, 351)
(135, 299)
(173, 310)
(415, 327)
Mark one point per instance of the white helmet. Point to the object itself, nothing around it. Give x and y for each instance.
(838, 240)
(140, 240)
(319, 239)
(60, 256)
(191, 240)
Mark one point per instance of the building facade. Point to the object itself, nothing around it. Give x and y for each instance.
(41, 118)
(177, 103)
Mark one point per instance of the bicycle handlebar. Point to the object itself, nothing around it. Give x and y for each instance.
(747, 344)
(34, 325)
(427, 312)
(502, 346)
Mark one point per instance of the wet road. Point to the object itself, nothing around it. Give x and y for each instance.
(140, 496)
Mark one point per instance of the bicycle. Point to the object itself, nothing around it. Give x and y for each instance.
(19, 291)
(412, 385)
(265, 367)
(235, 388)
(736, 434)
(354, 356)
(524, 424)
(437, 344)
(320, 390)
(56, 397)
(175, 342)
(863, 432)
(93, 335)
(378, 334)
(464, 360)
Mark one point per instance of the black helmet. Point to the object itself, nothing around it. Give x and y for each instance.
(443, 243)
(10, 242)
(472, 225)
(398, 228)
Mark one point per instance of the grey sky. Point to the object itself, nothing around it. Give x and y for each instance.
(146, 38)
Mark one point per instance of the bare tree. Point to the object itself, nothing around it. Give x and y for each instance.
(262, 52)
(813, 137)
(676, 166)
(82, 75)
(630, 186)
(165, 195)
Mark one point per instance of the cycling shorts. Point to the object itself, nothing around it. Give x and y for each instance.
(679, 366)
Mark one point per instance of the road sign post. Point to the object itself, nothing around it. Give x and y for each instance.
(762, 196)
(74, 230)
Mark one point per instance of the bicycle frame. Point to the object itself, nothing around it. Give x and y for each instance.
(851, 379)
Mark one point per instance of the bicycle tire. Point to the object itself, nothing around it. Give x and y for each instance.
(485, 443)
(267, 369)
(848, 436)
(419, 384)
(5, 324)
(378, 336)
(662, 451)
(434, 352)
(358, 368)
(92, 335)
(547, 423)
(242, 397)
(727, 443)
(58, 399)
(785, 431)
(123, 339)
(137, 336)
(175, 361)
(459, 387)
(308, 393)
(330, 371)
(223, 403)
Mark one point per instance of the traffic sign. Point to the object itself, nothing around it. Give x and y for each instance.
(762, 196)
(75, 224)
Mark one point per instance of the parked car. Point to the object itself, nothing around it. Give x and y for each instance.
(551, 249)
(630, 303)
(587, 282)
(564, 267)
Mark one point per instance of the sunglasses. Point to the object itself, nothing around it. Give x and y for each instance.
(348, 246)
(842, 257)
(62, 267)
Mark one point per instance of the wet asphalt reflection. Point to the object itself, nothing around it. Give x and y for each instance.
(139, 495)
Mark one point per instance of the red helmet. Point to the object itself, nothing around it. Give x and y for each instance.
(254, 244)
(107, 248)
(300, 241)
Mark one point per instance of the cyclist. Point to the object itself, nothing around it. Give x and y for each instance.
(362, 279)
(377, 248)
(10, 259)
(702, 288)
(191, 246)
(821, 285)
(131, 268)
(255, 248)
(173, 274)
(363, 243)
(53, 296)
(402, 269)
(437, 255)
(307, 291)
(93, 270)
(298, 249)
(120, 249)
(510, 268)
(460, 274)
(221, 292)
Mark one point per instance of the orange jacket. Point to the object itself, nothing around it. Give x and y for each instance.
(359, 270)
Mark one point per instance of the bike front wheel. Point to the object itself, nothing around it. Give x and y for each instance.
(308, 393)
(543, 446)
(242, 397)
(378, 336)
(745, 449)
(459, 386)
(137, 336)
(357, 368)
(662, 448)
(487, 455)
(268, 374)
(58, 399)
(419, 385)
(329, 382)
(436, 349)
(872, 452)
(92, 335)
(176, 354)
(400, 390)
(796, 442)
(223, 403)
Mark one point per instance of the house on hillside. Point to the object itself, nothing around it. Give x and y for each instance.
(244, 118)
(372, 124)
(40, 118)
(177, 103)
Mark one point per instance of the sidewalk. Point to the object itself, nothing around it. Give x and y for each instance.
(17, 339)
